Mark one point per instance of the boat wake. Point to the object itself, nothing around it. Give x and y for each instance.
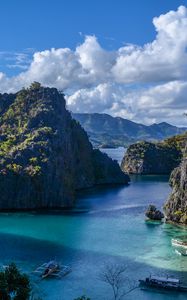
(116, 208)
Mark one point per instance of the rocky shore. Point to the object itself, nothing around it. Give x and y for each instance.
(152, 213)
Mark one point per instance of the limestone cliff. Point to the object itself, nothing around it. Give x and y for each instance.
(176, 206)
(45, 155)
(151, 158)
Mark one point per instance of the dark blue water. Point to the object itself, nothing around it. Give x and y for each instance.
(106, 226)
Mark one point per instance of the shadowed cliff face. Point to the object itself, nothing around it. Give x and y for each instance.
(45, 155)
(151, 158)
(176, 206)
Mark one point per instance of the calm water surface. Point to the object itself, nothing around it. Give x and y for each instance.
(115, 153)
(106, 226)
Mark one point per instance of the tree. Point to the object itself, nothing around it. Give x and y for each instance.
(35, 85)
(13, 284)
(3, 287)
(114, 276)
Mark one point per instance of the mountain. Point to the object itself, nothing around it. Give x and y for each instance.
(45, 155)
(107, 131)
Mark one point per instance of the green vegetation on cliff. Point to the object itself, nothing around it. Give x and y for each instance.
(168, 156)
(177, 141)
(176, 205)
(45, 155)
(154, 158)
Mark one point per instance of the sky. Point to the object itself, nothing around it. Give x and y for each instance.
(126, 58)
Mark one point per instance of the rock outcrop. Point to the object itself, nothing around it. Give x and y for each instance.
(45, 155)
(153, 213)
(176, 206)
(151, 158)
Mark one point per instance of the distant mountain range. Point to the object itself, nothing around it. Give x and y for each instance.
(107, 131)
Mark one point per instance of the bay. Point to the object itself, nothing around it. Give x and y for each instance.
(107, 225)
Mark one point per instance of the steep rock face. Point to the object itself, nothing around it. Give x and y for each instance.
(176, 206)
(45, 155)
(151, 158)
(105, 169)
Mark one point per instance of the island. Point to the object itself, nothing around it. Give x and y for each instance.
(152, 213)
(154, 158)
(45, 155)
(166, 157)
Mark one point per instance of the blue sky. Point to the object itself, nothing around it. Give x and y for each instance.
(111, 56)
(43, 24)
(29, 26)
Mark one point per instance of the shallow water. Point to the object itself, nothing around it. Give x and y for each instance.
(106, 226)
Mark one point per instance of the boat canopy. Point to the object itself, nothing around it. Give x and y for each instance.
(165, 279)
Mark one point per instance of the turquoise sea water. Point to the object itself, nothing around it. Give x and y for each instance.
(107, 225)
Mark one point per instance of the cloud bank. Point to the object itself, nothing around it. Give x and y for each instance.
(147, 84)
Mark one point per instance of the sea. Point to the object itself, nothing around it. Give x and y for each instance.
(107, 226)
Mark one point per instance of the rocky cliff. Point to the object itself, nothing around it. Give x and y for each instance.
(176, 206)
(151, 158)
(45, 155)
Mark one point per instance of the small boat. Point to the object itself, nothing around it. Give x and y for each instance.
(180, 245)
(178, 252)
(52, 268)
(163, 283)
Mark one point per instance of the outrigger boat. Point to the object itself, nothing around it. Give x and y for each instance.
(52, 269)
(163, 283)
(180, 245)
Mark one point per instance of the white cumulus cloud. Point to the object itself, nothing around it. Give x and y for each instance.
(164, 102)
(145, 83)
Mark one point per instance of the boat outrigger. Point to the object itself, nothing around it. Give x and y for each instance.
(52, 269)
(163, 283)
(180, 245)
